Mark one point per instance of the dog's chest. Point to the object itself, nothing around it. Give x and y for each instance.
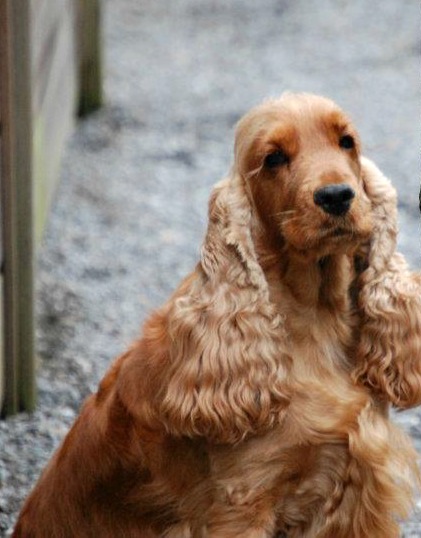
(318, 341)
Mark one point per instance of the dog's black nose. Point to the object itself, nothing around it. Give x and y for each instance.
(334, 199)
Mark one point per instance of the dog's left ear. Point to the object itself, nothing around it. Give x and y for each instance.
(388, 357)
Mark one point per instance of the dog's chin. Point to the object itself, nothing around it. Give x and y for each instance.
(314, 244)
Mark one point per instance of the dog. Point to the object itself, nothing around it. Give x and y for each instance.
(255, 404)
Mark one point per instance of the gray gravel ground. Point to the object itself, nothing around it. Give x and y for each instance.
(130, 211)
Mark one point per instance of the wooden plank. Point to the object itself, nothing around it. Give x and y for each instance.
(10, 400)
(90, 58)
(17, 210)
(41, 77)
(39, 69)
(23, 204)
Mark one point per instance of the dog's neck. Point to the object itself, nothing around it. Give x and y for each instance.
(316, 283)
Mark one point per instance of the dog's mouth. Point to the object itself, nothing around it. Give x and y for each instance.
(314, 234)
(336, 232)
(339, 237)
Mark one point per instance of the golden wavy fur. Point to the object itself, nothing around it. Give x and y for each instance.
(256, 402)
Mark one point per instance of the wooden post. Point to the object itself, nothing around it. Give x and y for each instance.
(16, 205)
(10, 367)
(90, 58)
(39, 75)
(24, 211)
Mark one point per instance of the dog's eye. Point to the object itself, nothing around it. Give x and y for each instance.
(277, 158)
(347, 142)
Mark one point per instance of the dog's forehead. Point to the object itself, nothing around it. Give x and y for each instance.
(307, 120)
(291, 122)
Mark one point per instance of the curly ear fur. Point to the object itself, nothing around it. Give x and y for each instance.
(389, 351)
(215, 360)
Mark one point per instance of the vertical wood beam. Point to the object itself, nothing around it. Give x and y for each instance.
(10, 366)
(16, 203)
(24, 211)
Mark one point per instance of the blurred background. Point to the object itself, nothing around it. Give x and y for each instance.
(103, 215)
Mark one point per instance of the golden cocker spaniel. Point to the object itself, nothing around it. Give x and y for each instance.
(256, 402)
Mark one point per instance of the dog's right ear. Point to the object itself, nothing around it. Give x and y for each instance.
(389, 299)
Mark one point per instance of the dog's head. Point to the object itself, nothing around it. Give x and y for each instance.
(300, 158)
